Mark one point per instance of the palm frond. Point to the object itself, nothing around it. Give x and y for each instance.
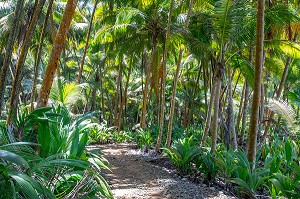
(284, 109)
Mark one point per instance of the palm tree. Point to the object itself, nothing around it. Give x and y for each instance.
(39, 55)
(56, 52)
(163, 81)
(172, 106)
(19, 67)
(253, 126)
(9, 49)
(87, 42)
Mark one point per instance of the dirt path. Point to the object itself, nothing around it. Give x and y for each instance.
(134, 176)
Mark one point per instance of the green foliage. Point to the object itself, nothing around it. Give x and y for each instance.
(248, 181)
(182, 153)
(62, 168)
(100, 133)
(226, 161)
(206, 164)
(144, 139)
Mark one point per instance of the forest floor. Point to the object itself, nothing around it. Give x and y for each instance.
(145, 175)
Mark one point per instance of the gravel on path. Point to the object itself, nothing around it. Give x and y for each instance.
(135, 176)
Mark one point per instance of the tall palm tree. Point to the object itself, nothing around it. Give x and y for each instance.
(56, 52)
(253, 126)
(87, 42)
(163, 81)
(174, 87)
(9, 49)
(19, 67)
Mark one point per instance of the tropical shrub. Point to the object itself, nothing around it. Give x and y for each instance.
(248, 181)
(61, 167)
(205, 163)
(182, 154)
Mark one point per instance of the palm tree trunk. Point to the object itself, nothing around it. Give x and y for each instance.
(231, 126)
(39, 55)
(172, 106)
(94, 91)
(124, 98)
(253, 126)
(56, 52)
(19, 67)
(86, 43)
(208, 115)
(118, 93)
(217, 89)
(240, 113)
(209, 110)
(163, 80)
(102, 94)
(9, 49)
(245, 111)
(145, 91)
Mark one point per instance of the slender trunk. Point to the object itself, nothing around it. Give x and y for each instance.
(245, 112)
(145, 91)
(172, 106)
(253, 126)
(231, 126)
(111, 5)
(214, 128)
(9, 50)
(237, 81)
(163, 80)
(56, 52)
(205, 88)
(102, 93)
(118, 94)
(125, 96)
(246, 97)
(208, 115)
(240, 113)
(53, 30)
(86, 43)
(191, 104)
(111, 112)
(39, 55)
(19, 67)
(262, 111)
(93, 101)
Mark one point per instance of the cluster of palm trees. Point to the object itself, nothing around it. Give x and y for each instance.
(196, 62)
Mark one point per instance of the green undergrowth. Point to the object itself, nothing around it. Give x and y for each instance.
(48, 157)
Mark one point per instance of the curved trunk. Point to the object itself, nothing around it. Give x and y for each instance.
(86, 43)
(39, 55)
(9, 49)
(56, 52)
(19, 67)
(163, 81)
(253, 126)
